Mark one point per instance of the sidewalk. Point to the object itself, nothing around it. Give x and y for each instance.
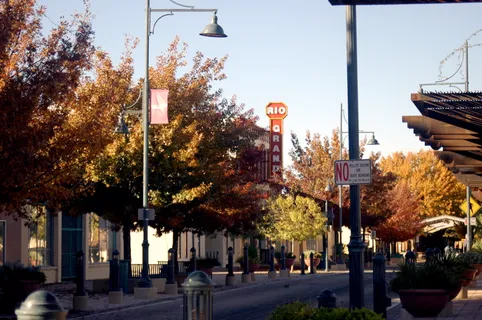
(465, 309)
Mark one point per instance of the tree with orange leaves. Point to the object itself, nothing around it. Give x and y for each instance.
(41, 152)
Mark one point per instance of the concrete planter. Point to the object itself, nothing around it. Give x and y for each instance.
(159, 284)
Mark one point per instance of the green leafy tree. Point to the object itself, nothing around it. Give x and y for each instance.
(292, 217)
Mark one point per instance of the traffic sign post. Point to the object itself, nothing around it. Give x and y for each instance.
(353, 172)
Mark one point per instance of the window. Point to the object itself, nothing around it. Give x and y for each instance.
(40, 237)
(3, 238)
(100, 248)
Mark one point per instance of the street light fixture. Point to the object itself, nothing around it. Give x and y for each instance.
(211, 30)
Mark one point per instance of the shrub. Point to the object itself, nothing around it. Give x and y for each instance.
(304, 311)
(315, 254)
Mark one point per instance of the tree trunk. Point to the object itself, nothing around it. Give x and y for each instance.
(126, 237)
(175, 244)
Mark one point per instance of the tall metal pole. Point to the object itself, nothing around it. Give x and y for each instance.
(340, 188)
(145, 282)
(469, 227)
(356, 246)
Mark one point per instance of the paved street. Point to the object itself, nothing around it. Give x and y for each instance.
(253, 302)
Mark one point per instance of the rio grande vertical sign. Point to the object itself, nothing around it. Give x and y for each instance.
(276, 112)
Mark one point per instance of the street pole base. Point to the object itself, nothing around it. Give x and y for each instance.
(159, 284)
(116, 297)
(80, 303)
(230, 280)
(171, 289)
(245, 278)
(145, 293)
(272, 275)
(284, 273)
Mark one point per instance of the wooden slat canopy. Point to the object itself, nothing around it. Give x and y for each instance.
(452, 123)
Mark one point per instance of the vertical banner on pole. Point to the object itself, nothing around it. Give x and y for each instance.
(159, 106)
(276, 112)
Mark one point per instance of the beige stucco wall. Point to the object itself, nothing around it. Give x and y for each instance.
(97, 271)
(16, 246)
(52, 274)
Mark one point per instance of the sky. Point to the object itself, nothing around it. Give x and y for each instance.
(295, 52)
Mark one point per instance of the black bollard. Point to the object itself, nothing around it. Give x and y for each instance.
(80, 274)
(380, 299)
(428, 255)
(410, 257)
(170, 267)
(246, 260)
(326, 299)
(230, 262)
(114, 275)
(271, 259)
(389, 258)
(302, 262)
(312, 263)
(193, 259)
(283, 258)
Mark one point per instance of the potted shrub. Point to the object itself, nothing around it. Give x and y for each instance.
(455, 265)
(253, 259)
(424, 289)
(474, 259)
(207, 265)
(290, 259)
(316, 257)
(18, 281)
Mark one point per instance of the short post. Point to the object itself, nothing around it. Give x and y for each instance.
(326, 299)
(81, 299)
(326, 263)
(272, 270)
(198, 297)
(245, 277)
(171, 284)
(41, 305)
(410, 257)
(283, 273)
(389, 258)
(193, 259)
(116, 296)
(230, 278)
(312, 263)
(302, 263)
(380, 299)
(428, 255)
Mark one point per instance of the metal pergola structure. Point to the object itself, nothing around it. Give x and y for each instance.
(452, 123)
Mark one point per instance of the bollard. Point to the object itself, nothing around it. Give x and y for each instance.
(380, 299)
(198, 297)
(245, 277)
(283, 273)
(193, 259)
(116, 296)
(326, 299)
(41, 305)
(312, 263)
(302, 262)
(410, 257)
(171, 284)
(389, 258)
(272, 270)
(81, 299)
(428, 255)
(230, 278)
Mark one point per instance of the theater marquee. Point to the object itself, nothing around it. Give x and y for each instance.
(276, 112)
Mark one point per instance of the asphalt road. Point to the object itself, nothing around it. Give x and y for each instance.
(252, 302)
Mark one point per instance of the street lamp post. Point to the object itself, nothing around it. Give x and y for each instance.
(211, 30)
(328, 190)
(371, 142)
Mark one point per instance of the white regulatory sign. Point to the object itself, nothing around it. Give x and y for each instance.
(349, 172)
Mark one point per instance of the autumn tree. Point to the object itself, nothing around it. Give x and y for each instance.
(404, 222)
(197, 179)
(40, 150)
(292, 217)
(434, 187)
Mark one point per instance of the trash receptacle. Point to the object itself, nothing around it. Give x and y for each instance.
(124, 275)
